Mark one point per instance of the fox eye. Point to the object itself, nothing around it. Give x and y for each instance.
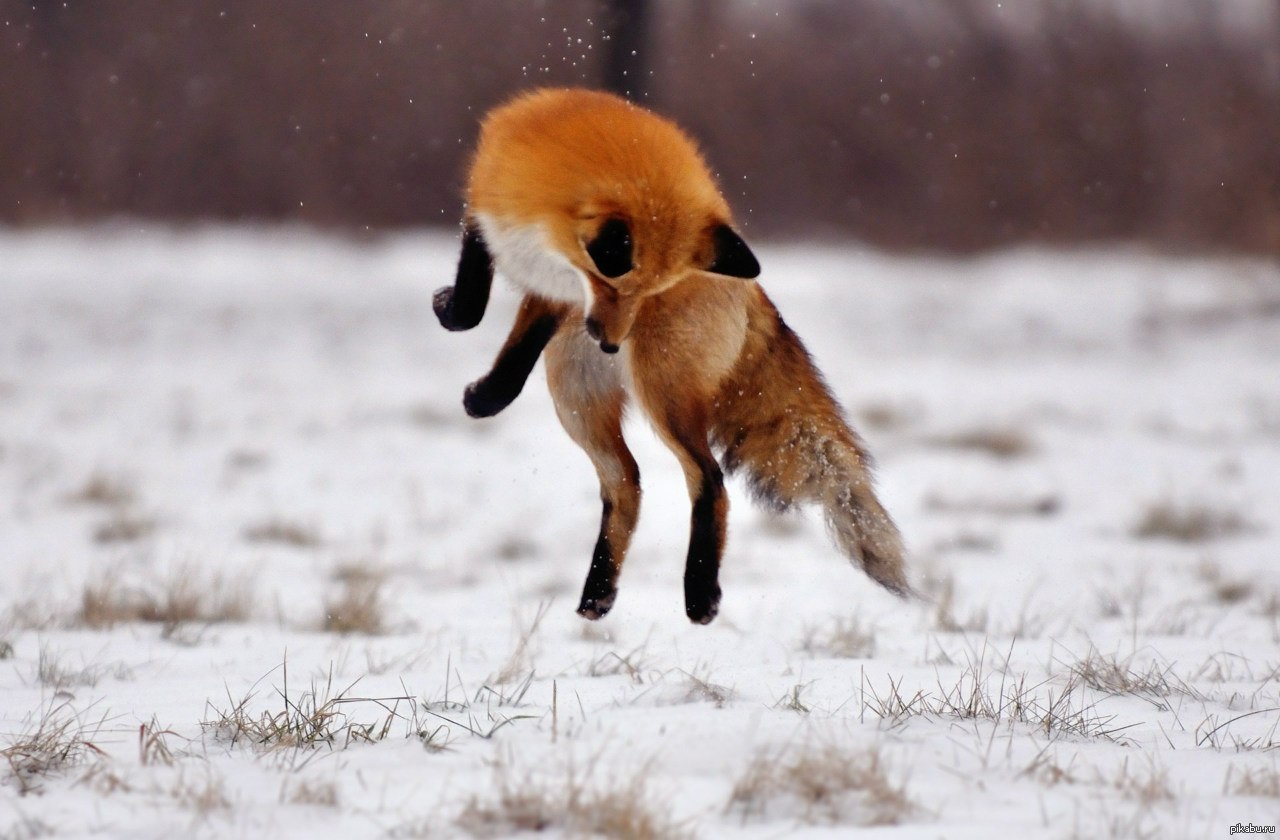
(611, 249)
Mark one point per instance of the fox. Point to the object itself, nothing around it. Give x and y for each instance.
(638, 289)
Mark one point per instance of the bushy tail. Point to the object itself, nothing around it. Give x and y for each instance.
(861, 526)
(779, 424)
(802, 462)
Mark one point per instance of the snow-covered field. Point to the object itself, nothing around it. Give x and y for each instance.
(263, 577)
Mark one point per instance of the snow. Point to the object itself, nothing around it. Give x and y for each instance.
(274, 415)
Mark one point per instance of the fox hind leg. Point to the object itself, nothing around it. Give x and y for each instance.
(589, 399)
(686, 435)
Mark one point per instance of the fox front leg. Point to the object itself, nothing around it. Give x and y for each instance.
(536, 324)
(461, 306)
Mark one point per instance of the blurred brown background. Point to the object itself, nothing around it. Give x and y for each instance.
(936, 124)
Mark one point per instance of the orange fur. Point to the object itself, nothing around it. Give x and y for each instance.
(573, 186)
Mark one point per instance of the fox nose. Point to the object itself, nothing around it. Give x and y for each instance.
(596, 330)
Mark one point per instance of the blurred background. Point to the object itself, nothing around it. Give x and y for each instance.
(939, 125)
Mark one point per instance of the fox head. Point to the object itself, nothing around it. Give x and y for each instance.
(590, 199)
(624, 261)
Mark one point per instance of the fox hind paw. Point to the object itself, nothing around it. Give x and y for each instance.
(597, 608)
(702, 606)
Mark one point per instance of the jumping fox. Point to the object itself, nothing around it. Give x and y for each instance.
(638, 287)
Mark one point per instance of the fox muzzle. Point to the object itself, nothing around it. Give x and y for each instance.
(596, 330)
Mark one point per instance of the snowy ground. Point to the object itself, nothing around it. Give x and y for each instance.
(221, 448)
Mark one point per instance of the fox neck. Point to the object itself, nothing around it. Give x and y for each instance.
(524, 255)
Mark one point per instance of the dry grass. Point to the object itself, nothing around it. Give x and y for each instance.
(124, 526)
(357, 607)
(284, 532)
(29, 614)
(1224, 589)
(844, 637)
(1046, 769)
(182, 599)
(1252, 781)
(570, 805)
(886, 417)
(153, 744)
(53, 673)
(1002, 698)
(204, 796)
(793, 700)
(311, 792)
(997, 507)
(1001, 443)
(105, 490)
(1112, 675)
(518, 663)
(698, 688)
(1147, 784)
(945, 616)
(826, 784)
(315, 717)
(633, 664)
(1189, 523)
(58, 741)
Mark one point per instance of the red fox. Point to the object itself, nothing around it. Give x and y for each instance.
(638, 287)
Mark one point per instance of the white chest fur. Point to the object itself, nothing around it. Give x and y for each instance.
(523, 254)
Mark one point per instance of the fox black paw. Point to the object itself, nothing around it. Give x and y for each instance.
(480, 401)
(594, 608)
(702, 604)
(442, 303)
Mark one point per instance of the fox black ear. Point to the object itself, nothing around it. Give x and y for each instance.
(611, 249)
(732, 256)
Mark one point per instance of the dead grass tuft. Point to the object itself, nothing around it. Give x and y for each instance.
(1189, 523)
(284, 532)
(1004, 444)
(828, 784)
(105, 490)
(55, 743)
(51, 672)
(181, 600)
(311, 792)
(1112, 675)
(886, 417)
(699, 688)
(1002, 698)
(124, 526)
(633, 663)
(947, 620)
(571, 806)
(793, 700)
(312, 718)
(518, 664)
(204, 796)
(844, 637)
(994, 506)
(357, 607)
(153, 744)
(1253, 781)
(1225, 589)
(1148, 784)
